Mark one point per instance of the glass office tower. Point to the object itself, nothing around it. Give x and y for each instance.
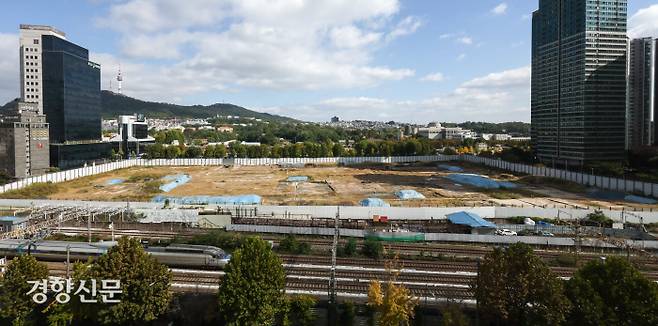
(578, 96)
(71, 92)
(642, 87)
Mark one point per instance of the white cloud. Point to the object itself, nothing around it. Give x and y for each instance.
(461, 57)
(407, 26)
(644, 23)
(465, 40)
(9, 74)
(461, 38)
(435, 77)
(273, 44)
(500, 9)
(502, 96)
(508, 78)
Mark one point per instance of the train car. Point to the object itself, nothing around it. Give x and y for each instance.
(174, 255)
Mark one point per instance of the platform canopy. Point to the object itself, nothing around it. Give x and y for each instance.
(470, 219)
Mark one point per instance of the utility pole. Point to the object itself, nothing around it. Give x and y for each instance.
(334, 249)
(89, 228)
(68, 261)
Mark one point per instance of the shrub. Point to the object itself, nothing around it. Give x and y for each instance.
(290, 244)
(373, 249)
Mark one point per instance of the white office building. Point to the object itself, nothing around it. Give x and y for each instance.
(31, 69)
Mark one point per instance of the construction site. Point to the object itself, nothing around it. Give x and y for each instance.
(460, 184)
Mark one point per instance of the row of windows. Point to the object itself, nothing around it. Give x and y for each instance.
(32, 57)
(32, 96)
(31, 49)
(31, 70)
(31, 63)
(29, 83)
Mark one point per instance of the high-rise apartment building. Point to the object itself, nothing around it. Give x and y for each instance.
(578, 96)
(642, 90)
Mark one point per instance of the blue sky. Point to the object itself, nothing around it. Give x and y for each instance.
(403, 60)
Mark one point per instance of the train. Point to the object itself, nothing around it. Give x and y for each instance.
(173, 255)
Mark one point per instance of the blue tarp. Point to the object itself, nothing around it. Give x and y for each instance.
(113, 182)
(617, 195)
(174, 181)
(471, 219)
(297, 178)
(479, 181)
(450, 168)
(640, 200)
(210, 200)
(374, 202)
(409, 194)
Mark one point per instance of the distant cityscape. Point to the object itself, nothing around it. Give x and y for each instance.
(605, 105)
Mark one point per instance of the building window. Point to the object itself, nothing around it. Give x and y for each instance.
(36, 41)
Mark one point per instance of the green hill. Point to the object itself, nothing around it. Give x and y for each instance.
(114, 104)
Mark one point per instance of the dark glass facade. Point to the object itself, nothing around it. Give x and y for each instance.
(71, 92)
(642, 108)
(578, 97)
(67, 156)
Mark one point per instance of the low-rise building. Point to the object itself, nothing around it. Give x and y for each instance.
(11, 223)
(24, 141)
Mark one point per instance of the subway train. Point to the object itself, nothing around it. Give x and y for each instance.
(174, 255)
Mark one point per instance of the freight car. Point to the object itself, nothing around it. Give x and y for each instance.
(175, 255)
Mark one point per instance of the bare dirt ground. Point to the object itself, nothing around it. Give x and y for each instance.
(328, 185)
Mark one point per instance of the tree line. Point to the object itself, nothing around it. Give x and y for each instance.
(409, 147)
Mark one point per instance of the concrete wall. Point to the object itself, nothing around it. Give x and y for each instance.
(445, 237)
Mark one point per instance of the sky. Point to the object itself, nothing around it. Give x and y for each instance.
(402, 60)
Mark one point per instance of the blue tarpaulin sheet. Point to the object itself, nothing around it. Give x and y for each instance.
(450, 168)
(640, 200)
(374, 202)
(297, 178)
(113, 182)
(471, 219)
(210, 200)
(409, 194)
(174, 181)
(479, 181)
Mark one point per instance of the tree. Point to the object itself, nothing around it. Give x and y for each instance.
(172, 152)
(291, 245)
(392, 302)
(515, 287)
(144, 281)
(612, 292)
(373, 249)
(193, 152)
(350, 248)
(252, 289)
(16, 307)
(452, 315)
(298, 310)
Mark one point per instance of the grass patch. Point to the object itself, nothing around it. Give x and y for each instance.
(511, 193)
(33, 191)
(564, 185)
(143, 177)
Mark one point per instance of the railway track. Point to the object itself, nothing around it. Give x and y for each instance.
(429, 249)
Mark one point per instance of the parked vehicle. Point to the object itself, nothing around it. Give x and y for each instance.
(505, 232)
